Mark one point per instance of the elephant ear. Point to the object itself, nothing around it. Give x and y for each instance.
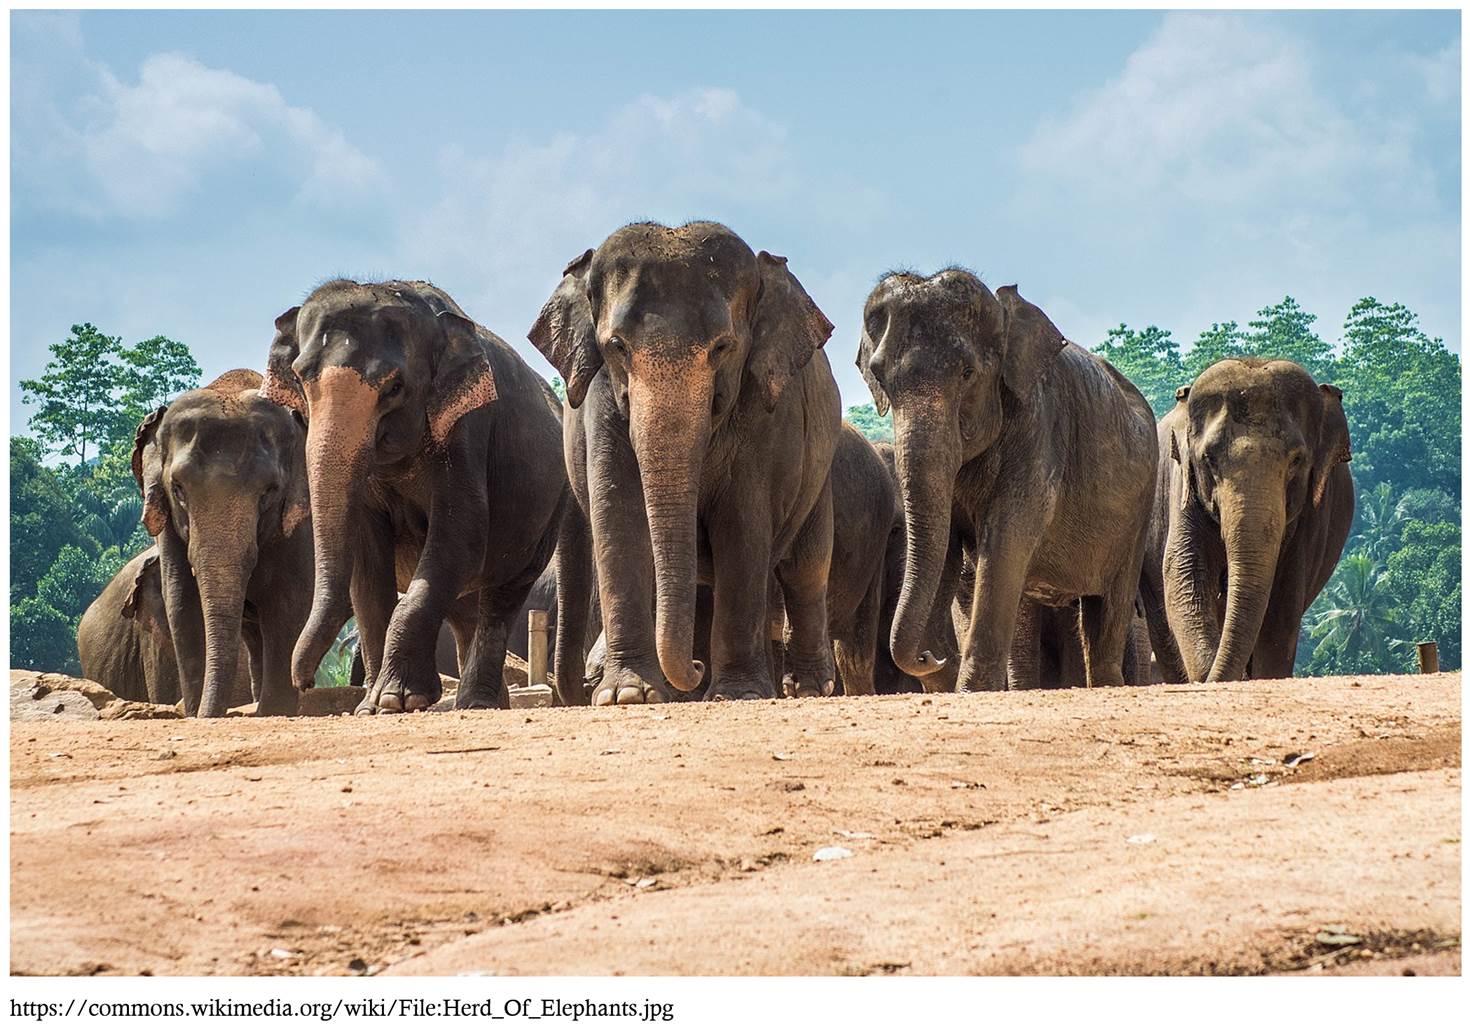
(281, 384)
(1032, 342)
(155, 503)
(786, 329)
(144, 601)
(866, 348)
(565, 331)
(1333, 445)
(463, 380)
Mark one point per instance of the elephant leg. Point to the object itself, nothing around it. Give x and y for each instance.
(1160, 638)
(1000, 577)
(374, 591)
(278, 696)
(453, 555)
(952, 600)
(803, 576)
(1024, 669)
(740, 650)
(250, 635)
(185, 618)
(573, 561)
(1106, 623)
(1275, 653)
(482, 668)
(623, 551)
(1136, 670)
(857, 656)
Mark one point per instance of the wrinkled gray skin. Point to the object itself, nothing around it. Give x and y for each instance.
(224, 495)
(124, 643)
(1038, 453)
(699, 443)
(1254, 505)
(941, 637)
(433, 457)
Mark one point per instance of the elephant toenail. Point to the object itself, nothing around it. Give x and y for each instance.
(630, 695)
(390, 703)
(417, 702)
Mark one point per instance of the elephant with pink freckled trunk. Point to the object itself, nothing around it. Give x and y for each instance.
(433, 454)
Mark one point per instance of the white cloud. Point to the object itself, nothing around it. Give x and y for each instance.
(506, 223)
(1218, 169)
(103, 146)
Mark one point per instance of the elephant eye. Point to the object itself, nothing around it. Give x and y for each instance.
(617, 345)
(178, 491)
(394, 390)
(968, 372)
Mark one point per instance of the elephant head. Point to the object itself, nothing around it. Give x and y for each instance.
(1255, 441)
(682, 321)
(380, 373)
(221, 471)
(953, 359)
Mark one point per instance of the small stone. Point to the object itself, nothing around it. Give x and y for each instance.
(831, 852)
(357, 966)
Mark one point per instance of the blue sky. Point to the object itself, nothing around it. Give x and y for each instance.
(194, 174)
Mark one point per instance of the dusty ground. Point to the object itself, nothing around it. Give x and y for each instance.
(1112, 831)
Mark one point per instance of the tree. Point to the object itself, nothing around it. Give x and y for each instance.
(75, 579)
(153, 372)
(1150, 360)
(1401, 392)
(865, 419)
(41, 638)
(42, 519)
(1423, 579)
(1215, 343)
(1379, 520)
(1358, 624)
(1284, 331)
(559, 387)
(77, 394)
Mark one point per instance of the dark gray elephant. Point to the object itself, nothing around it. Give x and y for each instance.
(700, 440)
(1038, 453)
(224, 495)
(124, 644)
(434, 463)
(1254, 502)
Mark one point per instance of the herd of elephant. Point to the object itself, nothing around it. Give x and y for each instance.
(699, 503)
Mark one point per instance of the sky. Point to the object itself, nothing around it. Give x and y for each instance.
(194, 174)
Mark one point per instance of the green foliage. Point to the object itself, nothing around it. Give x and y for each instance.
(41, 638)
(1422, 580)
(1149, 359)
(75, 579)
(1284, 330)
(42, 519)
(76, 397)
(335, 670)
(153, 372)
(559, 387)
(1357, 627)
(875, 428)
(1215, 343)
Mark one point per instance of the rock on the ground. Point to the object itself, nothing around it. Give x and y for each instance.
(38, 695)
(124, 709)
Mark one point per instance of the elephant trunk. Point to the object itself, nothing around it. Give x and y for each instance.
(1191, 584)
(1252, 535)
(339, 440)
(927, 458)
(669, 440)
(222, 553)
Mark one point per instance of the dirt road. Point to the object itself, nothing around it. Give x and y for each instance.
(1125, 830)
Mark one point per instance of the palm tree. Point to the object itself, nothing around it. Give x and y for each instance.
(1358, 626)
(1380, 521)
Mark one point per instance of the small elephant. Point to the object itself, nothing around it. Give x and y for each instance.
(1253, 506)
(699, 443)
(124, 643)
(1038, 452)
(434, 464)
(224, 495)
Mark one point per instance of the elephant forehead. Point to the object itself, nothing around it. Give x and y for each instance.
(670, 312)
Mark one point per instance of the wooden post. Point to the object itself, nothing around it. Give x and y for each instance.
(1428, 658)
(536, 647)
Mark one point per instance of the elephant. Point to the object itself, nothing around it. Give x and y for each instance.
(699, 442)
(124, 643)
(224, 495)
(434, 469)
(1038, 453)
(1254, 502)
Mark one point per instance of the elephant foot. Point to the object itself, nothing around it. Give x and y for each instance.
(482, 698)
(391, 693)
(283, 705)
(801, 689)
(981, 677)
(624, 687)
(730, 687)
